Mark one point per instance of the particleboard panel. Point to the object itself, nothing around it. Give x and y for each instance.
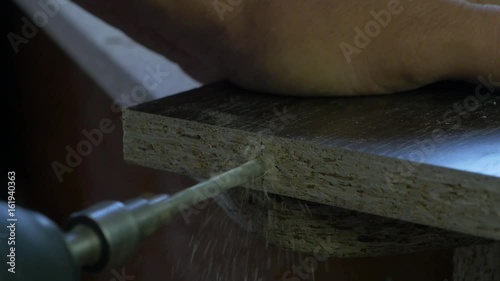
(303, 226)
(429, 156)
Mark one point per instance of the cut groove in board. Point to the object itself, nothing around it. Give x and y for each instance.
(426, 156)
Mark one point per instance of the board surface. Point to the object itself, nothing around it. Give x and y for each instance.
(429, 156)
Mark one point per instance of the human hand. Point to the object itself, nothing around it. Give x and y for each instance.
(329, 47)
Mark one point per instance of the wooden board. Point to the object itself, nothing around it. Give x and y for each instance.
(306, 227)
(429, 156)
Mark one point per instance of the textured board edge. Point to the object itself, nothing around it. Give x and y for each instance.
(434, 196)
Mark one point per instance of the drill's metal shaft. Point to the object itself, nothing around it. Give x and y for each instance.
(108, 233)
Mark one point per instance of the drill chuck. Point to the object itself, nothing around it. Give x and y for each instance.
(107, 233)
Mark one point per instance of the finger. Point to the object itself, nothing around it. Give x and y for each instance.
(467, 46)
